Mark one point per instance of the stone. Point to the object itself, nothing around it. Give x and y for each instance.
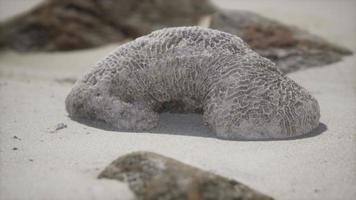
(59, 126)
(289, 47)
(60, 25)
(154, 177)
(241, 94)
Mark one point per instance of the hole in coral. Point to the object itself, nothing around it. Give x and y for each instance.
(178, 106)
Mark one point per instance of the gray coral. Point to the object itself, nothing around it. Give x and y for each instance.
(153, 176)
(190, 69)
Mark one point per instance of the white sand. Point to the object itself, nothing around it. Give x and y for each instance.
(65, 164)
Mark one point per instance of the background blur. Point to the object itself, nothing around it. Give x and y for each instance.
(302, 13)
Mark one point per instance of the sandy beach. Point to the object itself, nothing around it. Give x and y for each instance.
(37, 162)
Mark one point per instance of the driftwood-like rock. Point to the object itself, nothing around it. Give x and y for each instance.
(153, 177)
(289, 47)
(78, 24)
(190, 69)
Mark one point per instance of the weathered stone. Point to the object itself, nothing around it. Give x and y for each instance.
(155, 177)
(289, 47)
(77, 24)
(240, 94)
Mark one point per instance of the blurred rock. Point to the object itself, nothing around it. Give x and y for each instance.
(152, 177)
(289, 47)
(78, 24)
(60, 25)
(59, 126)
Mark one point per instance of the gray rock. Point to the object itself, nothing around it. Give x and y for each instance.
(155, 177)
(78, 24)
(289, 47)
(190, 69)
(59, 126)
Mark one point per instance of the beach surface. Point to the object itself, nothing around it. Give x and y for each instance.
(39, 162)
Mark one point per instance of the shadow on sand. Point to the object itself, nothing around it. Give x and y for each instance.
(192, 125)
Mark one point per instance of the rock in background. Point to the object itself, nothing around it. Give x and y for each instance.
(289, 47)
(60, 25)
(57, 25)
(152, 177)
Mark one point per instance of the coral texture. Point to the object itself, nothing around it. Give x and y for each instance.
(190, 69)
(153, 176)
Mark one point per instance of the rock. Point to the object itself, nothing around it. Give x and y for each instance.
(240, 94)
(59, 25)
(289, 47)
(59, 126)
(153, 176)
(78, 24)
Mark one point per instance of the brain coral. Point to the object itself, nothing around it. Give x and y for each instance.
(190, 69)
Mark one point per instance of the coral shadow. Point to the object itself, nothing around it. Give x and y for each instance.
(183, 124)
(192, 125)
(313, 133)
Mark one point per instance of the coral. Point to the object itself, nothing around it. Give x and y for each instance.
(190, 69)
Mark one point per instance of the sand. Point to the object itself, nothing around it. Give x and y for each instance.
(40, 163)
